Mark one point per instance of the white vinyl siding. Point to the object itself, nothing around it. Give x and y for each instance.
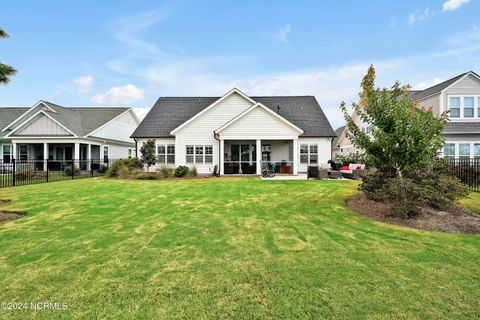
(259, 123)
(200, 131)
(323, 147)
(42, 125)
(120, 129)
(432, 102)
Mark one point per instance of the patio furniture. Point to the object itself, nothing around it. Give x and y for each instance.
(285, 169)
(355, 171)
(316, 173)
(332, 174)
(335, 165)
(267, 171)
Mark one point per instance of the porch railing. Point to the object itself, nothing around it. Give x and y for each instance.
(250, 167)
(20, 172)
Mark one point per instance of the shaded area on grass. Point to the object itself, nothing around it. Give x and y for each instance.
(455, 220)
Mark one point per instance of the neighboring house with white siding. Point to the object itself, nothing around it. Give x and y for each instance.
(459, 95)
(49, 131)
(237, 133)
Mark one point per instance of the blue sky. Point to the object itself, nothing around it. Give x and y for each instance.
(132, 52)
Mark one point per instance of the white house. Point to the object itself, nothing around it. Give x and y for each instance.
(49, 131)
(459, 95)
(238, 133)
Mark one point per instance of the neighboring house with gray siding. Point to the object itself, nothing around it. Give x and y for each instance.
(237, 133)
(461, 96)
(49, 131)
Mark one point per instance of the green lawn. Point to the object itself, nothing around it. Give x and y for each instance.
(473, 203)
(226, 248)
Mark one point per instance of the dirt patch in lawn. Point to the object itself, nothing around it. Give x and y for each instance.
(9, 215)
(455, 220)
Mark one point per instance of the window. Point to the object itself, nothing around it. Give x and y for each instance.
(189, 154)
(309, 153)
(208, 154)
(198, 154)
(161, 154)
(129, 153)
(366, 128)
(304, 153)
(105, 154)
(454, 106)
(464, 107)
(7, 153)
(170, 154)
(23, 152)
(468, 107)
(313, 154)
(449, 150)
(476, 150)
(464, 150)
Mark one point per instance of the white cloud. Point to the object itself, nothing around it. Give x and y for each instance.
(452, 5)
(427, 84)
(83, 84)
(419, 16)
(141, 112)
(120, 95)
(283, 33)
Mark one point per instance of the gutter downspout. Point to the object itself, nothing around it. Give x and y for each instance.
(219, 157)
(136, 147)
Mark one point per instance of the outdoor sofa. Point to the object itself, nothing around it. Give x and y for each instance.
(354, 171)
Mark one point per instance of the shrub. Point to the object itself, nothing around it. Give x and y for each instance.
(123, 172)
(181, 171)
(416, 189)
(68, 170)
(165, 172)
(148, 176)
(193, 172)
(102, 169)
(135, 173)
(130, 163)
(28, 174)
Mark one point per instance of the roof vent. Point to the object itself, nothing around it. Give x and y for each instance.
(278, 109)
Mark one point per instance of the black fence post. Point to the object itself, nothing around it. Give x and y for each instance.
(91, 167)
(73, 169)
(47, 169)
(14, 169)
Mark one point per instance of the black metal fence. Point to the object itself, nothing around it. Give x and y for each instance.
(467, 171)
(18, 172)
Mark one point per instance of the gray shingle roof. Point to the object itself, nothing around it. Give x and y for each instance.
(79, 120)
(338, 132)
(8, 115)
(170, 112)
(462, 128)
(438, 87)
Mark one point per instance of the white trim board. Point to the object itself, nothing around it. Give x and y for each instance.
(257, 105)
(32, 117)
(27, 112)
(229, 93)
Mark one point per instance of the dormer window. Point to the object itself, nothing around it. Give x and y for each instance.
(464, 107)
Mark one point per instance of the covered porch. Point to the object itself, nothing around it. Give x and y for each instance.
(57, 155)
(247, 157)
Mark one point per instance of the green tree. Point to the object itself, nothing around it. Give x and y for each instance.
(6, 71)
(148, 153)
(402, 136)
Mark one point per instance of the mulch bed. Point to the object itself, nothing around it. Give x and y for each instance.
(9, 215)
(455, 220)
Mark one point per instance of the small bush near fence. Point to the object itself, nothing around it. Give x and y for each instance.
(130, 164)
(165, 172)
(28, 175)
(68, 170)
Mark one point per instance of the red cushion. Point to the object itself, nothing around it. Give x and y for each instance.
(345, 168)
(359, 167)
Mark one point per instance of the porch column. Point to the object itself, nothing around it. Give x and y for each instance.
(295, 156)
(45, 156)
(14, 150)
(259, 156)
(222, 157)
(76, 151)
(89, 156)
